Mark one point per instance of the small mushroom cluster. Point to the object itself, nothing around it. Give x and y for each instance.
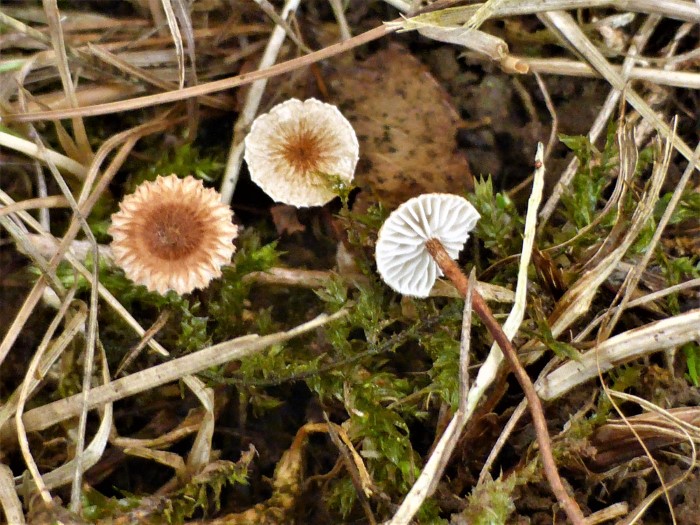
(175, 234)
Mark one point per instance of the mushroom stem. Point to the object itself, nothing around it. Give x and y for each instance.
(454, 273)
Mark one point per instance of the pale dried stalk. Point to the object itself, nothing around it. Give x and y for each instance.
(489, 369)
(678, 9)
(93, 452)
(250, 108)
(32, 150)
(9, 501)
(633, 344)
(578, 298)
(176, 39)
(74, 325)
(429, 477)
(566, 67)
(635, 274)
(90, 342)
(239, 348)
(23, 395)
(59, 46)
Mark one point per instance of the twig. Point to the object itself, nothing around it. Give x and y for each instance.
(252, 102)
(503, 345)
(205, 89)
(567, 67)
(51, 413)
(51, 201)
(452, 271)
(632, 344)
(427, 482)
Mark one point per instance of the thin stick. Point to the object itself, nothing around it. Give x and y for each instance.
(252, 103)
(205, 89)
(453, 272)
(434, 468)
(50, 201)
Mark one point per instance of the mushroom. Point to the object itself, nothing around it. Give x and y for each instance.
(403, 258)
(298, 152)
(419, 240)
(172, 234)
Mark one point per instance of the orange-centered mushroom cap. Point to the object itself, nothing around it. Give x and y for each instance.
(172, 234)
(297, 150)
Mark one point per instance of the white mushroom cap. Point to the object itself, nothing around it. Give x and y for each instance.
(298, 150)
(403, 260)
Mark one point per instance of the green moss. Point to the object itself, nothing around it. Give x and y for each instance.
(182, 161)
(500, 227)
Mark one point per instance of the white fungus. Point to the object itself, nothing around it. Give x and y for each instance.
(298, 150)
(403, 260)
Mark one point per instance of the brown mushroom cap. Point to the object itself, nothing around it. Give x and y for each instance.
(172, 234)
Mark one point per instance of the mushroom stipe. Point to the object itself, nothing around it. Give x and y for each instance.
(455, 274)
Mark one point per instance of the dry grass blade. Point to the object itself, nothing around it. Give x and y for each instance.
(577, 299)
(429, 477)
(488, 371)
(639, 42)
(91, 454)
(23, 395)
(632, 344)
(177, 40)
(9, 501)
(53, 201)
(52, 413)
(59, 47)
(29, 148)
(633, 277)
(208, 88)
(683, 79)
(74, 325)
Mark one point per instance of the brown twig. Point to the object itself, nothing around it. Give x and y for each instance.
(208, 88)
(453, 272)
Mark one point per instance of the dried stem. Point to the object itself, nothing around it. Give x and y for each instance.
(453, 272)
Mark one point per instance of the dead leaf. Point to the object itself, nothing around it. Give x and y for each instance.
(286, 220)
(406, 126)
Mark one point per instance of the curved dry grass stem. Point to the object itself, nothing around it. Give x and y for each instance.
(239, 348)
(25, 391)
(204, 89)
(453, 272)
(51, 201)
